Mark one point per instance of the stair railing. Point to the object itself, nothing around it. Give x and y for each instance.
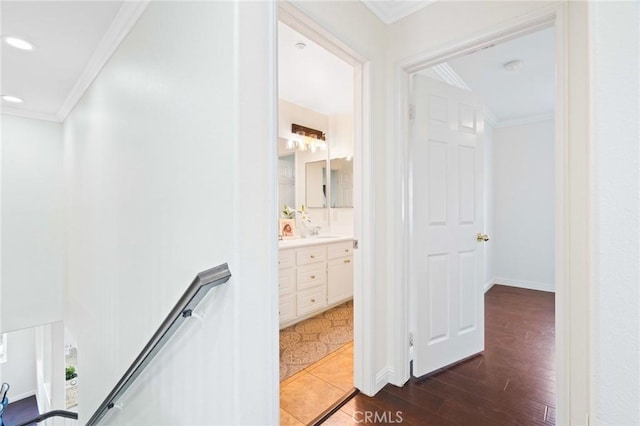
(182, 310)
(48, 415)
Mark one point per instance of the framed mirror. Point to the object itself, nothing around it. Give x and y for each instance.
(316, 184)
(286, 181)
(341, 182)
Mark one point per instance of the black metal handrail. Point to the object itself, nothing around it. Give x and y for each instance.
(49, 414)
(203, 282)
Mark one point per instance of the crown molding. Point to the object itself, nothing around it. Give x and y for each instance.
(393, 11)
(126, 18)
(490, 118)
(30, 114)
(535, 118)
(450, 76)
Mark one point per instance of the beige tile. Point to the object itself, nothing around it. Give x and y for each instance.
(287, 419)
(347, 350)
(337, 371)
(308, 396)
(322, 360)
(292, 378)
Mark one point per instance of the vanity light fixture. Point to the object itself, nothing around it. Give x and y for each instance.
(514, 65)
(306, 139)
(18, 43)
(12, 99)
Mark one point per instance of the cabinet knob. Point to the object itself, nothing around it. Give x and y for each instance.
(313, 300)
(346, 250)
(313, 277)
(347, 261)
(312, 256)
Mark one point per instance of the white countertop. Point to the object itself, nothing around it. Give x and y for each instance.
(311, 241)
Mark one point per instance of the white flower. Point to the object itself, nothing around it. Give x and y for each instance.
(302, 214)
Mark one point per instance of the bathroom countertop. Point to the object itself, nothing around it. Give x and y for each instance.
(312, 241)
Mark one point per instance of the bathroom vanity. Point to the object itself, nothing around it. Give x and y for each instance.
(315, 274)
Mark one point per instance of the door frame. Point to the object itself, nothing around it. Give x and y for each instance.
(573, 178)
(363, 295)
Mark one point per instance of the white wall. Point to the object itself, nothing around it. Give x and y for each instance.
(166, 157)
(20, 369)
(523, 236)
(31, 287)
(615, 300)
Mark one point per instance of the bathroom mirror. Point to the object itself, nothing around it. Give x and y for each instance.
(341, 182)
(316, 184)
(286, 181)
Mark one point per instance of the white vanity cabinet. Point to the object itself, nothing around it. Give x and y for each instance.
(339, 272)
(313, 276)
(287, 284)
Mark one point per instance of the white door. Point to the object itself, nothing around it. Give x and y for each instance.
(446, 263)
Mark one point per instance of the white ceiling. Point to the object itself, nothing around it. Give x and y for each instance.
(390, 11)
(66, 35)
(513, 95)
(312, 77)
(69, 35)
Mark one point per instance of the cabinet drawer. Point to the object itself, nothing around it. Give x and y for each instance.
(336, 250)
(311, 254)
(311, 300)
(286, 258)
(311, 275)
(287, 307)
(287, 280)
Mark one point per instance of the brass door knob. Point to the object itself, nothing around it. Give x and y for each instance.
(482, 238)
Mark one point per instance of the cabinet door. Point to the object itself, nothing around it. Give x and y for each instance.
(287, 308)
(340, 279)
(287, 281)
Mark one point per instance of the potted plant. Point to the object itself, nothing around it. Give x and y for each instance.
(70, 375)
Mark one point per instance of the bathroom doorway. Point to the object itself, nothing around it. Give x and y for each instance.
(321, 220)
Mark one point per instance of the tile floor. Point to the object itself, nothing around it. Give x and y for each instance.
(308, 393)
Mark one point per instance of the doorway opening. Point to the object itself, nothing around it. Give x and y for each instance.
(549, 17)
(323, 166)
(482, 213)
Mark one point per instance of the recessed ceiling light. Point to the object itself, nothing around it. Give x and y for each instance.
(13, 99)
(18, 43)
(514, 65)
(301, 45)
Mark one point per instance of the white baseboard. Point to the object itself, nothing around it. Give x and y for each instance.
(531, 285)
(489, 284)
(383, 377)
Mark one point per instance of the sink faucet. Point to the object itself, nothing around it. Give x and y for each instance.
(315, 230)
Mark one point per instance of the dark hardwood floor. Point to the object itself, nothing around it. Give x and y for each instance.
(19, 411)
(511, 383)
